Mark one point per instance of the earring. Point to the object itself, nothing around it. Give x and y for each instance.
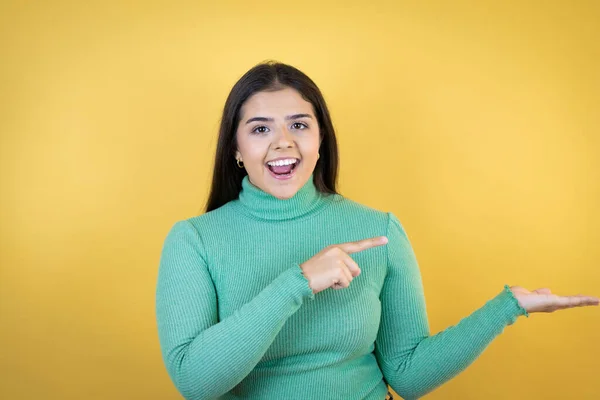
(238, 163)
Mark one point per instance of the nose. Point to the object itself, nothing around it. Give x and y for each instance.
(284, 139)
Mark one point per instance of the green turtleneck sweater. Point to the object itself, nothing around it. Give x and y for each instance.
(237, 319)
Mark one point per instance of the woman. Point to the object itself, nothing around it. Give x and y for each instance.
(283, 288)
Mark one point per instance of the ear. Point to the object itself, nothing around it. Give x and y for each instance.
(238, 155)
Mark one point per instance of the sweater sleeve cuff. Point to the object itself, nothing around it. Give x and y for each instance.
(520, 308)
(507, 307)
(297, 284)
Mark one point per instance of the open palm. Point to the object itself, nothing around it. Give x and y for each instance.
(543, 300)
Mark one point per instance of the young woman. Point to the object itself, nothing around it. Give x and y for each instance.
(283, 288)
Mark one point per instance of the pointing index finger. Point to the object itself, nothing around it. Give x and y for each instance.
(360, 245)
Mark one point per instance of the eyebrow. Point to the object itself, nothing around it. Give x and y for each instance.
(264, 119)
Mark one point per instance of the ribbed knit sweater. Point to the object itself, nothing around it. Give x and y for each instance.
(237, 318)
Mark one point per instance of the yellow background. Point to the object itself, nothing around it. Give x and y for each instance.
(475, 122)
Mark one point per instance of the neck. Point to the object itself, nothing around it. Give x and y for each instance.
(263, 205)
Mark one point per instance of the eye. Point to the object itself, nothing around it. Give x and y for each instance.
(299, 125)
(260, 129)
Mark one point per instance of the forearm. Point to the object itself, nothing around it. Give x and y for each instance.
(218, 358)
(438, 358)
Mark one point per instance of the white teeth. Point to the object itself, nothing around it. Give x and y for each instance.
(283, 162)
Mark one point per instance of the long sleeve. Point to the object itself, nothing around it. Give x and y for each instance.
(204, 357)
(413, 362)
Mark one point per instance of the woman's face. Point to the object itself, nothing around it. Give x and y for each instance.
(278, 125)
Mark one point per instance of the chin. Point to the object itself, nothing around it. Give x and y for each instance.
(284, 193)
(286, 190)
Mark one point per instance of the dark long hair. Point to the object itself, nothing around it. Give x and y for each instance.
(269, 76)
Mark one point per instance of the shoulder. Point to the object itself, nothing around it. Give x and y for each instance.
(210, 220)
(353, 207)
(194, 228)
(352, 210)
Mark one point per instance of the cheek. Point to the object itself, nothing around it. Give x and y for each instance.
(252, 150)
(309, 149)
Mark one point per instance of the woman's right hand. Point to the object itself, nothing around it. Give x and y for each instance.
(332, 267)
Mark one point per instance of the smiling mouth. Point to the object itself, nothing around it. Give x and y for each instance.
(283, 171)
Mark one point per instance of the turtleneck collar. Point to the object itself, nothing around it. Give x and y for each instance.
(265, 206)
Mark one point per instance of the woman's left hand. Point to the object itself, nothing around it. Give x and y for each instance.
(542, 300)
